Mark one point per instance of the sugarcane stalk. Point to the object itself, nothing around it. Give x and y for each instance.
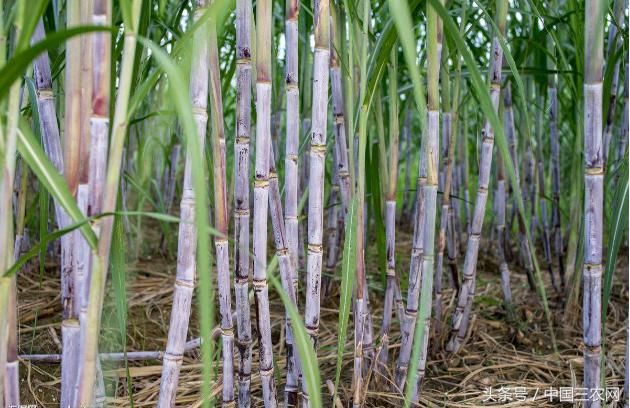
(8, 142)
(241, 199)
(73, 129)
(360, 309)
(390, 211)
(169, 196)
(332, 226)
(406, 207)
(187, 247)
(89, 192)
(73, 93)
(466, 294)
(552, 95)
(286, 272)
(464, 170)
(415, 265)
(511, 137)
(340, 186)
(292, 130)
(378, 144)
(86, 82)
(338, 107)
(542, 199)
(306, 94)
(12, 379)
(510, 133)
(529, 188)
(51, 142)
(449, 132)
(432, 151)
(221, 218)
(593, 196)
(317, 160)
(100, 260)
(261, 197)
(623, 134)
(500, 211)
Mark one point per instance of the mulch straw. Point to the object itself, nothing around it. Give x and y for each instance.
(499, 365)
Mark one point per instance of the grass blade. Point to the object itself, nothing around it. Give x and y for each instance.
(348, 263)
(33, 154)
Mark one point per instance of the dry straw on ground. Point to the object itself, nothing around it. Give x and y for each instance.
(495, 355)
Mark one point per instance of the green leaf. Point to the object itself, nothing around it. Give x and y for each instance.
(36, 9)
(18, 64)
(348, 264)
(33, 154)
(374, 177)
(617, 226)
(41, 246)
(117, 255)
(402, 18)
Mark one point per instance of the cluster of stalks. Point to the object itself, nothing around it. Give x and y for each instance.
(93, 112)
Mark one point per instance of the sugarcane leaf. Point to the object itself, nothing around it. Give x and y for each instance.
(348, 264)
(402, 19)
(36, 9)
(515, 73)
(42, 244)
(218, 10)
(117, 255)
(308, 358)
(559, 46)
(373, 175)
(617, 226)
(16, 65)
(45, 239)
(46, 173)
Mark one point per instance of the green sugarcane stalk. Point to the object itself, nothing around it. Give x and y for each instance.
(8, 141)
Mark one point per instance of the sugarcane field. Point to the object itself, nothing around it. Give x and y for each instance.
(336, 203)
